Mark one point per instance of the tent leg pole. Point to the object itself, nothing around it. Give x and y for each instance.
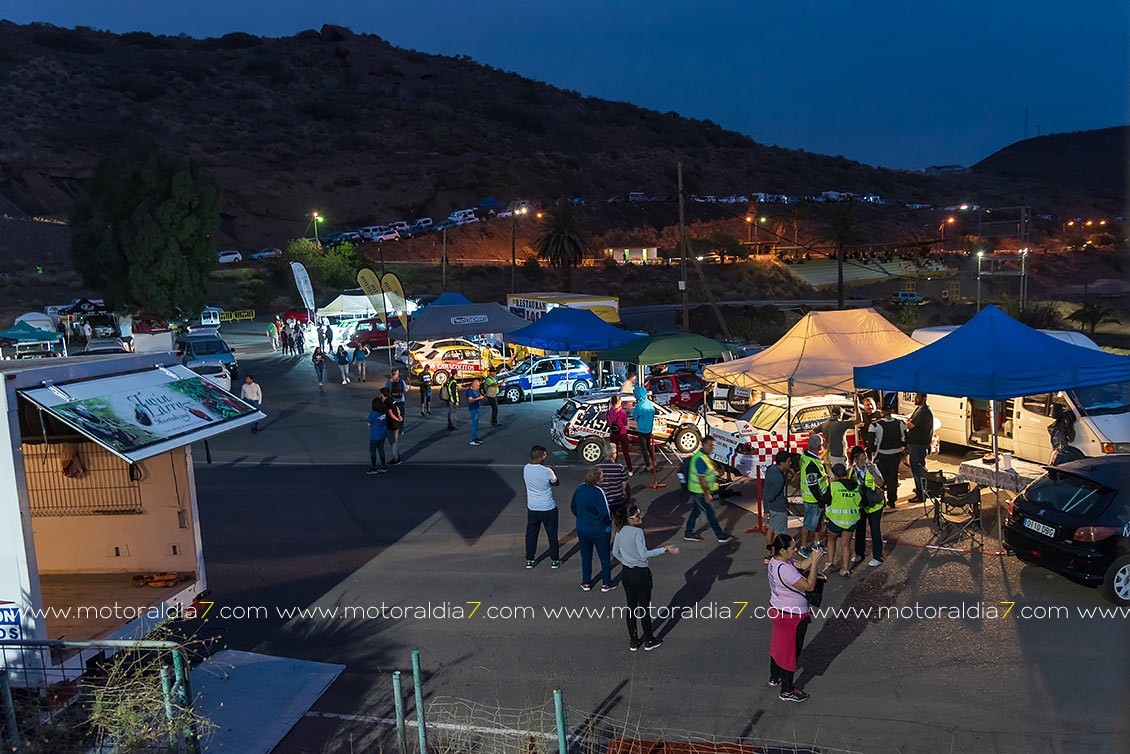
(997, 469)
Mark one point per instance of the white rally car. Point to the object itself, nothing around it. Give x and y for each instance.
(744, 444)
(581, 425)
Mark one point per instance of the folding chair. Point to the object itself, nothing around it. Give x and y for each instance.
(961, 514)
(936, 482)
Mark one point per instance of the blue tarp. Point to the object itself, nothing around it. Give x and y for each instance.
(450, 299)
(994, 357)
(566, 329)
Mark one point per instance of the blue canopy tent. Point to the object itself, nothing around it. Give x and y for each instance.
(450, 299)
(993, 357)
(567, 329)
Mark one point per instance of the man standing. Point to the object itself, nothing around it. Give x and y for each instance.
(397, 389)
(702, 483)
(813, 491)
(614, 479)
(541, 508)
(869, 414)
(890, 444)
(329, 338)
(450, 391)
(775, 498)
(360, 353)
(474, 399)
(919, 430)
(834, 431)
(253, 394)
(644, 414)
(490, 391)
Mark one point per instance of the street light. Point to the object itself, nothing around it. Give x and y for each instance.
(748, 228)
(942, 227)
(513, 255)
(980, 256)
(317, 218)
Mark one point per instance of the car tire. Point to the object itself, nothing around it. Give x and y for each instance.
(440, 378)
(591, 451)
(512, 394)
(1116, 584)
(580, 387)
(686, 439)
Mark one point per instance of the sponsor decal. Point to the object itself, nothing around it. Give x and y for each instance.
(10, 627)
(470, 319)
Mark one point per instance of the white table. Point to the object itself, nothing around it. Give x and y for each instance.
(1015, 479)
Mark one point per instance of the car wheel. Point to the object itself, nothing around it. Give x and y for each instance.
(591, 451)
(440, 378)
(580, 387)
(513, 394)
(1076, 454)
(687, 440)
(1116, 585)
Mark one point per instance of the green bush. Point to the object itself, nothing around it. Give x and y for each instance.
(66, 40)
(237, 40)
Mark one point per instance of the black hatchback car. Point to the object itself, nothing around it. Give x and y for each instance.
(1075, 520)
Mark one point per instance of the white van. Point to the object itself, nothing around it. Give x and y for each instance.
(1102, 413)
(463, 216)
(907, 298)
(370, 232)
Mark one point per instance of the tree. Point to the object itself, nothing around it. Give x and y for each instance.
(144, 233)
(1092, 316)
(332, 268)
(845, 232)
(561, 242)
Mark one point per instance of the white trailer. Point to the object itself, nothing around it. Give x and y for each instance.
(97, 492)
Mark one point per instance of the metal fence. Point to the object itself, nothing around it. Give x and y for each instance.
(64, 697)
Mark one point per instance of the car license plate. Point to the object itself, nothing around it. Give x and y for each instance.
(1047, 531)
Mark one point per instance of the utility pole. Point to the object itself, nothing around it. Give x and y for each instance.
(683, 253)
(443, 274)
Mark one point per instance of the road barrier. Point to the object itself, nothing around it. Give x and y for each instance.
(238, 315)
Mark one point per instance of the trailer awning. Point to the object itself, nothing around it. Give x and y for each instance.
(144, 414)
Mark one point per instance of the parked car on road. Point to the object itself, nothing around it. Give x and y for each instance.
(267, 253)
(422, 224)
(458, 361)
(371, 333)
(1075, 520)
(682, 390)
(207, 348)
(907, 298)
(213, 371)
(581, 425)
(229, 256)
(105, 346)
(388, 235)
(550, 375)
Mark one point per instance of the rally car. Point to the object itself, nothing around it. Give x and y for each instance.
(678, 390)
(581, 425)
(550, 375)
(752, 441)
(458, 361)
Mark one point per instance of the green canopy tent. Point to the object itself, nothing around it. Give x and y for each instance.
(664, 348)
(22, 333)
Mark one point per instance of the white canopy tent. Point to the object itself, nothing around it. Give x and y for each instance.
(818, 355)
(360, 307)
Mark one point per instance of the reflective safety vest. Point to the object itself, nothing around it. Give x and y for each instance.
(692, 475)
(868, 482)
(813, 478)
(843, 511)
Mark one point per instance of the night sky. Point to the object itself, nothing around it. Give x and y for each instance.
(900, 84)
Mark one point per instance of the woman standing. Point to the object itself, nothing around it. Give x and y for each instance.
(342, 359)
(1062, 433)
(789, 613)
(319, 361)
(594, 524)
(394, 420)
(631, 550)
(644, 414)
(618, 430)
(870, 484)
(378, 432)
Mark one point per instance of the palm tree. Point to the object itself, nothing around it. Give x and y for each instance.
(1092, 316)
(845, 232)
(561, 242)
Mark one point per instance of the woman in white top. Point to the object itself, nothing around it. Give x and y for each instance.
(789, 613)
(631, 550)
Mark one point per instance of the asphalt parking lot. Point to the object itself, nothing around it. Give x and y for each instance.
(290, 519)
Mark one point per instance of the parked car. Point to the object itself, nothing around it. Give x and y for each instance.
(907, 298)
(207, 348)
(102, 325)
(459, 361)
(551, 375)
(422, 224)
(388, 235)
(105, 346)
(149, 323)
(370, 233)
(213, 371)
(1075, 520)
(445, 224)
(296, 315)
(581, 425)
(269, 252)
(682, 389)
(371, 333)
(229, 257)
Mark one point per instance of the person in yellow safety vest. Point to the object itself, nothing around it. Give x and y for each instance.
(814, 493)
(843, 517)
(702, 483)
(871, 486)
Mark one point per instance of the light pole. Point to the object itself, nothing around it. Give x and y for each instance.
(980, 257)
(316, 218)
(748, 229)
(1023, 279)
(513, 254)
(942, 227)
(443, 274)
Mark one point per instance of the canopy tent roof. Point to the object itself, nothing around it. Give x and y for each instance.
(460, 321)
(447, 298)
(22, 332)
(360, 305)
(817, 355)
(994, 357)
(665, 347)
(38, 320)
(565, 329)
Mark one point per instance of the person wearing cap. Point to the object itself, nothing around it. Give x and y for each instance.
(814, 493)
(843, 517)
(490, 393)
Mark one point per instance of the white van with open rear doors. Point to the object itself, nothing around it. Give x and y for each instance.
(1101, 414)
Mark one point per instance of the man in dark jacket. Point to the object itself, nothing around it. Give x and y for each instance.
(919, 431)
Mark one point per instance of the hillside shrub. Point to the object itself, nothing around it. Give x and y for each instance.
(146, 40)
(236, 40)
(66, 40)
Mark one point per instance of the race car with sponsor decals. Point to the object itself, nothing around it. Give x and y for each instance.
(678, 390)
(550, 375)
(581, 425)
(455, 361)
